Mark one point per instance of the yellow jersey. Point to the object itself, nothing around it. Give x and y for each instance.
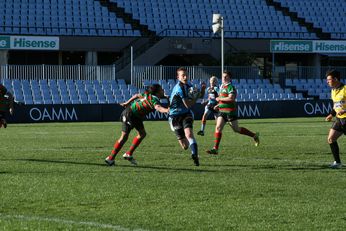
(339, 100)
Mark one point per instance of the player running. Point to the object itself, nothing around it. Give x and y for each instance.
(212, 91)
(181, 116)
(137, 107)
(6, 105)
(338, 95)
(228, 113)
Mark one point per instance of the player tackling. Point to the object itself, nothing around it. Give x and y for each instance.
(137, 107)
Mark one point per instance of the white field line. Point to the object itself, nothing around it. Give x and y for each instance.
(67, 222)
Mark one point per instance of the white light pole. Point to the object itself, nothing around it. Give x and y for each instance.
(218, 28)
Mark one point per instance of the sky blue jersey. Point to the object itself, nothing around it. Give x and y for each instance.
(213, 93)
(179, 92)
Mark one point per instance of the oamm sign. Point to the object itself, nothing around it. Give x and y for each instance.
(34, 43)
(291, 46)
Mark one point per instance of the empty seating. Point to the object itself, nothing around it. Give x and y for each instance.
(243, 19)
(116, 91)
(327, 15)
(62, 17)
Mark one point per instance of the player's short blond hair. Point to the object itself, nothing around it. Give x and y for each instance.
(213, 78)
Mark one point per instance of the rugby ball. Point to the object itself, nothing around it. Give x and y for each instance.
(193, 92)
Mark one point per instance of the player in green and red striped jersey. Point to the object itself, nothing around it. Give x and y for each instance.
(137, 107)
(6, 105)
(227, 107)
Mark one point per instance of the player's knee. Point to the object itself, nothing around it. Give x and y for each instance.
(142, 135)
(184, 143)
(123, 138)
(237, 130)
(331, 140)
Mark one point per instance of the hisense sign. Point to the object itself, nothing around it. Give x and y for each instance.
(29, 43)
(290, 46)
(307, 46)
(329, 46)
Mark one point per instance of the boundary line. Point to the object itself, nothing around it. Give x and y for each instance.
(68, 222)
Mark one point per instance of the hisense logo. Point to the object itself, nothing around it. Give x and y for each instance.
(22, 42)
(330, 46)
(291, 46)
(34, 43)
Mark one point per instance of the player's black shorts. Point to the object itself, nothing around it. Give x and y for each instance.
(3, 115)
(130, 121)
(210, 107)
(227, 117)
(340, 125)
(179, 123)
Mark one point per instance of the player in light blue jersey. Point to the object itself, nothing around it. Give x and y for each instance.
(180, 114)
(212, 92)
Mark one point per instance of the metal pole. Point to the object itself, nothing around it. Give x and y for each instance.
(273, 64)
(222, 48)
(131, 66)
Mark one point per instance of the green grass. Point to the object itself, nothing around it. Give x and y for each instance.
(52, 177)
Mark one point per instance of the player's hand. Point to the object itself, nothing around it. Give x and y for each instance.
(203, 86)
(341, 112)
(124, 104)
(11, 111)
(329, 118)
(216, 108)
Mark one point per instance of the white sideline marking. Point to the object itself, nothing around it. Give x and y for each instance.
(62, 221)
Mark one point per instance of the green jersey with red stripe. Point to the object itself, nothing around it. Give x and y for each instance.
(3, 100)
(144, 104)
(227, 107)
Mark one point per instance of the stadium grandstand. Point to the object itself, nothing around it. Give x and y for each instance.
(80, 52)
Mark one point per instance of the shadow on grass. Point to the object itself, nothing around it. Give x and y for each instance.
(118, 166)
(276, 167)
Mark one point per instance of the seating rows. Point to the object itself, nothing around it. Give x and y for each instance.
(323, 14)
(313, 87)
(247, 89)
(116, 91)
(243, 19)
(249, 18)
(70, 91)
(61, 17)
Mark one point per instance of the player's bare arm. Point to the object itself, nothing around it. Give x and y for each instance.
(161, 109)
(341, 112)
(229, 98)
(11, 100)
(203, 87)
(189, 102)
(136, 96)
(330, 116)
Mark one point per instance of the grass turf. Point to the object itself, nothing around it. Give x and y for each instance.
(53, 177)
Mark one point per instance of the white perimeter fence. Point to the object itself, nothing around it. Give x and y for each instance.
(157, 73)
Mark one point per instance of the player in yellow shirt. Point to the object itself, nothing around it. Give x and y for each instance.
(338, 128)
